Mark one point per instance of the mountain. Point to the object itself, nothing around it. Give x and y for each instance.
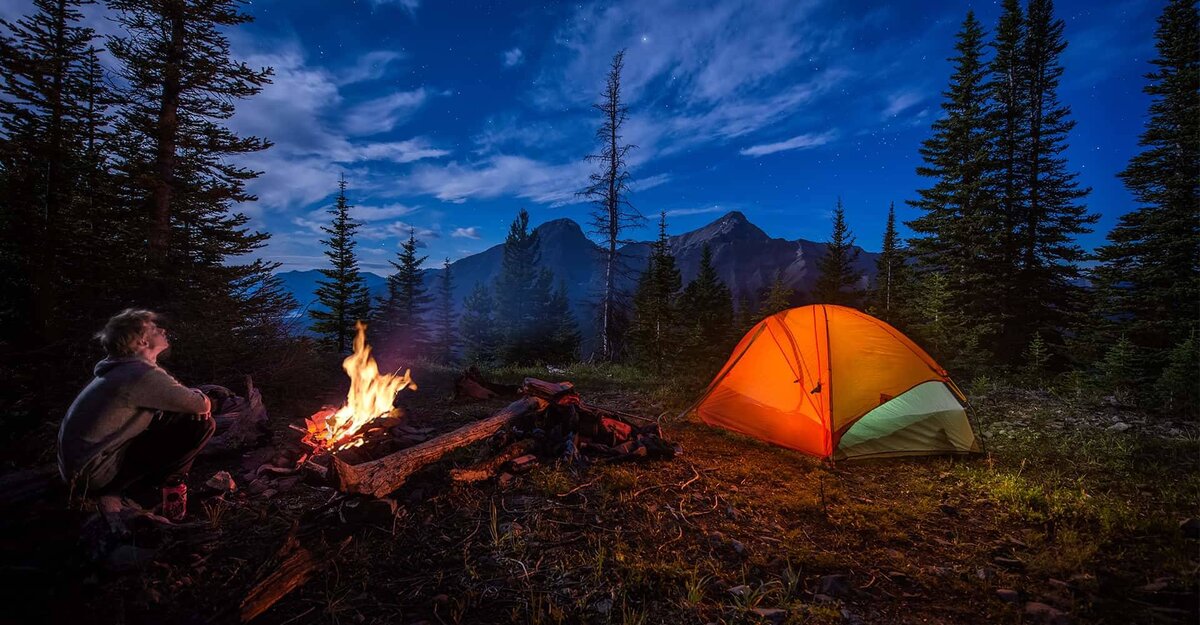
(746, 258)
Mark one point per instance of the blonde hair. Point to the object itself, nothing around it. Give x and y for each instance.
(120, 335)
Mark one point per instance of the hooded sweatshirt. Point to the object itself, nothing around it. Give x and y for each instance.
(114, 407)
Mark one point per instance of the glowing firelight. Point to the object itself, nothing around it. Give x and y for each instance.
(371, 395)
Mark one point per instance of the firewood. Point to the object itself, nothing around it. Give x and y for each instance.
(471, 385)
(549, 391)
(292, 573)
(481, 471)
(384, 475)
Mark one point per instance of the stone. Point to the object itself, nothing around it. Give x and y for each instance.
(1008, 595)
(739, 590)
(1042, 613)
(222, 481)
(1010, 563)
(775, 615)
(1190, 528)
(603, 606)
(1119, 426)
(820, 598)
(834, 586)
(738, 547)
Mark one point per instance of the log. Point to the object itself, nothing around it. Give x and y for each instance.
(382, 476)
(549, 391)
(20, 488)
(481, 471)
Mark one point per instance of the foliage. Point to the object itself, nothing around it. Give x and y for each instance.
(837, 279)
(402, 313)
(343, 293)
(1151, 263)
(445, 321)
(706, 305)
(654, 331)
(478, 327)
(893, 278)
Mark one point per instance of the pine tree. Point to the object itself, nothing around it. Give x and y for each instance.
(343, 292)
(837, 277)
(1150, 272)
(1121, 370)
(445, 321)
(46, 92)
(562, 342)
(613, 213)
(1045, 295)
(178, 162)
(941, 327)
(479, 335)
(653, 332)
(1009, 127)
(778, 298)
(1176, 387)
(955, 235)
(1037, 355)
(402, 313)
(706, 307)
(891, 277)
(523, 293)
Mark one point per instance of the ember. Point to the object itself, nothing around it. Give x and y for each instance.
(370, 397)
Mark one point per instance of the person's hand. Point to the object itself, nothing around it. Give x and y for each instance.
(200, 417)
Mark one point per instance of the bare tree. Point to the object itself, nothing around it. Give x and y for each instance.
(607, 191)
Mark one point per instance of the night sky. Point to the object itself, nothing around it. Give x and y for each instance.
(450, 116)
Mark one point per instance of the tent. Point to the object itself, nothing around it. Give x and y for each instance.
(832, 381)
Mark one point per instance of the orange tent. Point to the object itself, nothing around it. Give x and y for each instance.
(835, 382)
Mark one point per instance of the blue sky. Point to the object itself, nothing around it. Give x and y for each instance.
(448, 117)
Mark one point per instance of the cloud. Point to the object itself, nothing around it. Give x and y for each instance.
(513, 57)
(309, 153)
(901, 101)
(466, 233)
(409, 6)
(795, 143)
(383, 114)
(502, 175)
(370, 66)
(377, 213)
(679, 212)
(649, 182)
(398, 230)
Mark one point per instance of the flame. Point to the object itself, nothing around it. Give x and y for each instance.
(371, 395)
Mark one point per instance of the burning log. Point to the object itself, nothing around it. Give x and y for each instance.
(382, 476)
(472, 385)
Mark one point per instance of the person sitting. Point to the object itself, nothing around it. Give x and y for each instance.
(133, 424)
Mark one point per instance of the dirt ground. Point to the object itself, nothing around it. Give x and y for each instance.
(1077, 513)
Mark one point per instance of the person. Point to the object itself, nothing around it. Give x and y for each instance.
(133, 424)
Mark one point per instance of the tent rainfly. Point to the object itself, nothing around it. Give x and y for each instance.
(835, 382)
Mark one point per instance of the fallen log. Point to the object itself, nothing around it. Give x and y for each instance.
(382, 476)
(486, 469)
(20, 488)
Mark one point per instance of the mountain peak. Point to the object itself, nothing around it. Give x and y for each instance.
(731, 225)
(559, 227)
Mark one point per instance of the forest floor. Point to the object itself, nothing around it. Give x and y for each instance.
(1077, 513)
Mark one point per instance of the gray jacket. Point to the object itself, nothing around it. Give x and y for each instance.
(114, 407)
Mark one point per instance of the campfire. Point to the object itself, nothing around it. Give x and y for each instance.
(370, 397)
(367, 446)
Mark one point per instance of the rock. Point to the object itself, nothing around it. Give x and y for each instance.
(738, 547)
(820, 598)
(1190, 528)
(1119, 426)
(603, 606)
(1059, 585)
(1008, 595)
(738, 590)
(834, 586)
(1157, 585)
(222, 481)
(1042, 613)
(1009, 563)
(851, 618)
(775, 615)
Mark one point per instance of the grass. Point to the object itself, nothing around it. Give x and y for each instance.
(917, 540)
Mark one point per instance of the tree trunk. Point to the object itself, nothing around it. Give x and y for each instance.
(168, 126)
(382, 476)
